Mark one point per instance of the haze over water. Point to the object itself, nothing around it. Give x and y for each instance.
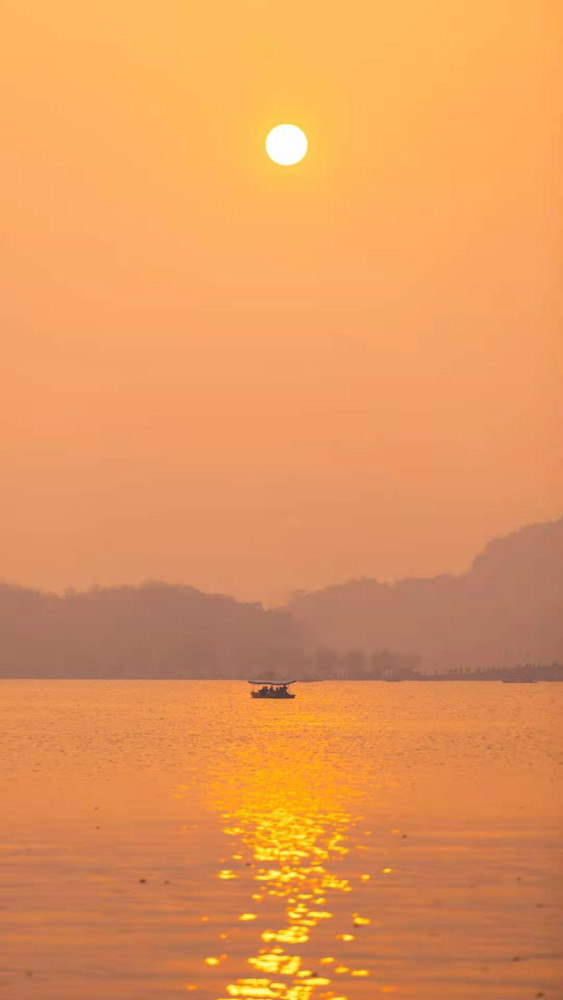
(164, 839)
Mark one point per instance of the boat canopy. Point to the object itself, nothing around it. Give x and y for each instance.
(276, 684)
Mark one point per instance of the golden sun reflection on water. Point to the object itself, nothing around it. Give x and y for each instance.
(290, 832)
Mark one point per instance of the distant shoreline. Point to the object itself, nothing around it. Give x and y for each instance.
(306, 680)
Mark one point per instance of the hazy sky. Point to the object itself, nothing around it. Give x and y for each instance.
(251, 378)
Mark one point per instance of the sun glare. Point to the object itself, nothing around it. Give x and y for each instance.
(286, 145)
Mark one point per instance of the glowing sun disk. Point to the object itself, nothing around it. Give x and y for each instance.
(286, 145)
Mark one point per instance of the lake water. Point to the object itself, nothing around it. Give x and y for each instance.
(170, 839)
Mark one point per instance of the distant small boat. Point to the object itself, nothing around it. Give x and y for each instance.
(271, 690)
(519, 680)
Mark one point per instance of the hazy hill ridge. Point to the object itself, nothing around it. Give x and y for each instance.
(154, 630)
(508, 608)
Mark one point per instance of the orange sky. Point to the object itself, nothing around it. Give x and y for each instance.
(251, 378)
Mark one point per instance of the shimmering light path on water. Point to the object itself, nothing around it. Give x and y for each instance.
(164, 839)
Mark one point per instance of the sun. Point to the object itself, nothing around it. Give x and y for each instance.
(286, 145)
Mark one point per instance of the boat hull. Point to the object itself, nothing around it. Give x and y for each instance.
(271, 697)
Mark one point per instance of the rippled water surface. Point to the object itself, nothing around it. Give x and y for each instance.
(167, 838)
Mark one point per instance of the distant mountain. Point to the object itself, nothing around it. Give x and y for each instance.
(150, 631)
(508, 608)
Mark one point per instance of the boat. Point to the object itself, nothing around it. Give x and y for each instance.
(271, 689)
